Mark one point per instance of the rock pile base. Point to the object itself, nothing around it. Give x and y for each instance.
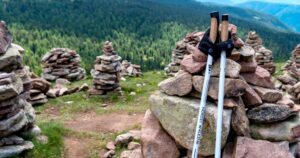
(62, 63)
(16, 114)
(255, 112)
(129, 69)
(263, 56)
(107, 72)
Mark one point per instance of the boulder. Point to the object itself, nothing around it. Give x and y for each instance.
(180, 85)
(251, 98)
(270, 113)
(261, 77)
(190, 65)
(232, 69)
(233, 87)
(268, 95)
(281, 131)
(239, 119)
(156, 143)
(178, 116)
(249, 148)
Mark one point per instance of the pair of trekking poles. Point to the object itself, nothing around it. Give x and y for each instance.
(214, 28)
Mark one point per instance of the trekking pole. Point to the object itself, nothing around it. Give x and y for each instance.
(213, 37)
(224, 37)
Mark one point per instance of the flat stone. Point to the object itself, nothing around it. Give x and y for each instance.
(269, 113)
(14, 150)
(287, 79)
(13, 124)
(10, 60)
(110, 146)
(180, 85)
(268, 95)
(123, 139)
(261, 77)
(5, 38)
(247, 53)
(285, 100)
(178, 116)
(111, 58)
(233, 87)
(232, 69)
(155, 141)
(249, 148)
(62, 81)
(289, 130)
(251, 98)
(11, 90)
(131, 154)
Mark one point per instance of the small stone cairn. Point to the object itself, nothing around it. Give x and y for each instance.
(290, 80)
(182, 49)
(62, 63)
(17, 116)
(258, 120)
(107, 72)
(129, 69)
(38, 91)
(263, 56)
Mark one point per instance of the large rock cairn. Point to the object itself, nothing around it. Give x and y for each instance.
(107, 72)
(255, 115)
(182, 48)
(290, 80)
(38, 91)
(263, 56)
(129, 69)
(16, 114)
(62, 63)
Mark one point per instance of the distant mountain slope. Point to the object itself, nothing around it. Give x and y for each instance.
(288, 13)
(144, 31)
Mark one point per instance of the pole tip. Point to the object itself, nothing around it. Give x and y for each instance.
(214, 14)
(225, 17)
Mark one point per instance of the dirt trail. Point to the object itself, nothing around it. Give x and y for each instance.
(91, 122)
(115, 122)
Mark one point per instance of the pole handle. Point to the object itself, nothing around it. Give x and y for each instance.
(224, 28)
(214, 25)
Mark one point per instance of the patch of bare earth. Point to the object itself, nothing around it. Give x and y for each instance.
(76, 148)
(108, 123)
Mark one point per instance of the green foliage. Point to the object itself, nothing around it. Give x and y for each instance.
(54, 148)
(143, 31)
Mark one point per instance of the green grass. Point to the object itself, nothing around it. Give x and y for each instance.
(81, 102)
(279, 66)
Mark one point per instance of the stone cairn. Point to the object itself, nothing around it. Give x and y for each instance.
(182, 49)
(129, 69)
(107, 72)
(258, 120)
(38, 91)
(290, 80)
(263, 56)
(62, 63)
(17, 116)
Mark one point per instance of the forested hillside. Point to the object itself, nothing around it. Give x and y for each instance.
(143, 31)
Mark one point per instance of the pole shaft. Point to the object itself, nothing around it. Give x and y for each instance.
(201, 115)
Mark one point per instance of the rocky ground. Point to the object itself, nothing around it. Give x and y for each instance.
(81, 126)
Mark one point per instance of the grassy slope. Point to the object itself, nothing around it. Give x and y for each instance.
(55, 130)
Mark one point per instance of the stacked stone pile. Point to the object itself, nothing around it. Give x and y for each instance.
(16, 114)
(290, 80)
(62, 63)
(258, 120)
(129, 69)
(263, 56)
(182, 49)
(39, 90)
(107, 72)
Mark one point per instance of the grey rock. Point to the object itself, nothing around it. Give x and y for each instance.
(184, 113)
(269, 113)
(14, 150)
